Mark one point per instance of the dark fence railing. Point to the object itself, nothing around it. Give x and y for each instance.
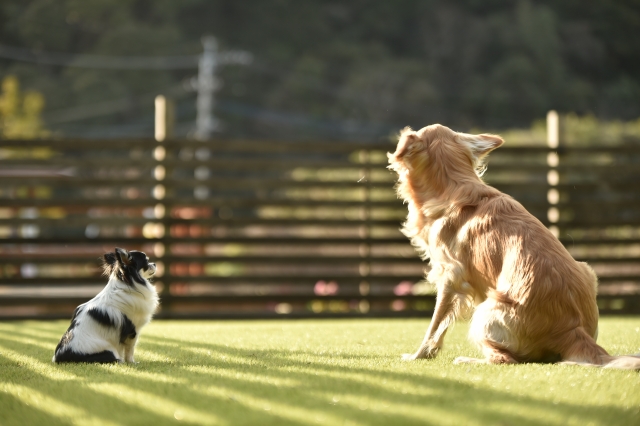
(273, 229)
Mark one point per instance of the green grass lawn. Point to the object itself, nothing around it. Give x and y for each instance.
(305, 372)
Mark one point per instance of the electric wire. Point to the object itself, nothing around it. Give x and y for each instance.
(100, 61)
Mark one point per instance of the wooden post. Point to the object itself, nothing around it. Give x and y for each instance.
(164, 118)
(553, 177)
(365, 232)
(164, 122)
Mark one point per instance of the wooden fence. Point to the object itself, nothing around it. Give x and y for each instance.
(271, 229)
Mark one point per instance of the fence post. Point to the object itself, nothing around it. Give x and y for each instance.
(553, 177)
(365, 232)
(164, 119)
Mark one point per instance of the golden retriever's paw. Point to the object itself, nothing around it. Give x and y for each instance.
(424, 352)
(428, 352)
(468, 360)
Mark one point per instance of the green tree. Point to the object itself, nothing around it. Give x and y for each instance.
(20, 114)
(322, 66)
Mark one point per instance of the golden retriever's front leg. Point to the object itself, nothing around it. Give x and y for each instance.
(443, 316)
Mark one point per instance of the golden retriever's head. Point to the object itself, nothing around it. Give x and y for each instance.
(433, 161)
(439, 151)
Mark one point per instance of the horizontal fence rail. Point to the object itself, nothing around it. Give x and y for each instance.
(247, 229)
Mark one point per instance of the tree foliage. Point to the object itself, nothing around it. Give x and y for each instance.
(20, 113)
(328, 68)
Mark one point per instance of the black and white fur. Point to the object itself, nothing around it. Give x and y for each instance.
(106, 328)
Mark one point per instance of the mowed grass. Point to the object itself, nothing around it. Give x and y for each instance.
(302, 372)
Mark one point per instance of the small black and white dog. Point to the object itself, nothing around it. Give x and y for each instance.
(106, 328)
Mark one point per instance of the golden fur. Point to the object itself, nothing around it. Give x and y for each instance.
(531, 301)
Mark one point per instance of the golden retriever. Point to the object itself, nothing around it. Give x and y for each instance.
(531, 301)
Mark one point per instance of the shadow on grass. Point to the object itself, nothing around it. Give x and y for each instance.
(211, 383)
(438, 394)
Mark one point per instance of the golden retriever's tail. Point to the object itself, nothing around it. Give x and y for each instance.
(582, 349)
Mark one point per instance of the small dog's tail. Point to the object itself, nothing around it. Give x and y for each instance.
(582, 349)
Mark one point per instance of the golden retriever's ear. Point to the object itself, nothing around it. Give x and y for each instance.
(407, 138)
(481, 145)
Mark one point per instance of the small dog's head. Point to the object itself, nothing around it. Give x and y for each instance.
(129, 266)
(435, 153)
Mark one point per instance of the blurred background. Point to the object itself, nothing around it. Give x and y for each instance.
(322, 69)
(242, 144)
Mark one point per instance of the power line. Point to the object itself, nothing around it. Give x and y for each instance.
(100, 61)
(81, 112)
(206, 84)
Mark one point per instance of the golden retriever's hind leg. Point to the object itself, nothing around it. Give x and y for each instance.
(469, 360)
(493, 355)
(579, 348)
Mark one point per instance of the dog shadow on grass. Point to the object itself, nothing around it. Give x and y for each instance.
(209, 383)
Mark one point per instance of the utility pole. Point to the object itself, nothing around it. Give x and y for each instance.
(206, 83)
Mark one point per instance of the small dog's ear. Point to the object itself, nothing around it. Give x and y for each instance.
(481, 145)
(406, 140)
(109, 259)
(109, 263)
(123, 256)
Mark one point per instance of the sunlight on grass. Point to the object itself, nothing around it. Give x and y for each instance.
(305, 372)
(153, 403)
(275, 408)
(245, 377)
(35, 365)
(51, 406)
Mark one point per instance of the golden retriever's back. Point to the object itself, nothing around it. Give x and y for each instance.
(534, 302)
(513, 253)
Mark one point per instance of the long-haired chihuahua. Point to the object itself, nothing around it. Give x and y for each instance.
(531, 301)
(106, 328)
